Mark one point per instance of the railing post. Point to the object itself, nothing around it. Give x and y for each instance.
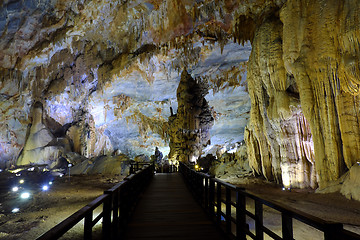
(211, 197)
(218, 202)
(88, 226)
(131, 168)
(206, 193)
(259, 220)
(201, 189)
(287, 226)
(332, 230)
(228, 210)
(106, 226)
(240, 215)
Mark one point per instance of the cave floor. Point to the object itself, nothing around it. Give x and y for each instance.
(332, 207)
(43, 210)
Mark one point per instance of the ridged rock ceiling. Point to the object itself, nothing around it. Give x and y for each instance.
(107, 72)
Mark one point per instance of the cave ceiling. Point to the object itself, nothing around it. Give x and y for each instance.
(116, 65)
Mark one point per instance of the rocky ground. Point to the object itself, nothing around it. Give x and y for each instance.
(44, 209)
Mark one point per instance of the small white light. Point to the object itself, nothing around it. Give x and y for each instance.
(50, 183)
(61, 175)
(283, 189)
(15, 210)
(31, 169)
(1, 170)
(21, 181)
(69, 165)
(45, 188)
(25, 195)
(15, 189)
(18, 174)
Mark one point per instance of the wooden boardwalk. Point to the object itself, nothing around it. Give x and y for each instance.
(167, 210)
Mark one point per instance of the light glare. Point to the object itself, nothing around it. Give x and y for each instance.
(15, 189)
(21, 181)
(25, 195)
(15, 210)
(45, 188)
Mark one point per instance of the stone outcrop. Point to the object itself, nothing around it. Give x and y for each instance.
(303, 83)
(107, 72)
(189, 127)
(41, 146)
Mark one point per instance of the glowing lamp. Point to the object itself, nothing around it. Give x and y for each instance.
(45, 187)
(196, 167)
(283, 189)
(15, 210)
(15, 189)
(50, 183)
(21, 181)
(25, 195)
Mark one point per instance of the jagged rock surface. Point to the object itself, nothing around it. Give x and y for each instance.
(107, 72)
(189, 127)
(303, 83)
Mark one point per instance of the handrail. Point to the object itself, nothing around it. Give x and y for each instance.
(209, 192)
(118, 202)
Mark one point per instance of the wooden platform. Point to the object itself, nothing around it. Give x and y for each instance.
(168, 211)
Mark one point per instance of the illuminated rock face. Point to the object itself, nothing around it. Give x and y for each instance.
(107, 73)
(41, 146)
(303, 83)
(189, 127)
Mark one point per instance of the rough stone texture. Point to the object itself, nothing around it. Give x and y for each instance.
(189, 127)
(303, 83)
(107, 72)
(41, 146)
(278, 135)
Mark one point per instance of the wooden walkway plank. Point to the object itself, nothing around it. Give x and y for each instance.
(167, 210)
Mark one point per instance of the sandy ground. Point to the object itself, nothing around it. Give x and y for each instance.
(44, 209)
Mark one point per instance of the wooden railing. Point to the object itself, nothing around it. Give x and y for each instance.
(219, 198)
(162, 168)
(118, 203)
(136, 166)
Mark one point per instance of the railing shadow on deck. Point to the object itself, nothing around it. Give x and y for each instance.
(118, 204)
(212, 193)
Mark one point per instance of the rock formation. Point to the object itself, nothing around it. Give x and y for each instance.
(41, 147)
(189, 127)
(302, 80)
(107, 73)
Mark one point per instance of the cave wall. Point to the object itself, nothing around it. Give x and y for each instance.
(304, 82)
(106, 72)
